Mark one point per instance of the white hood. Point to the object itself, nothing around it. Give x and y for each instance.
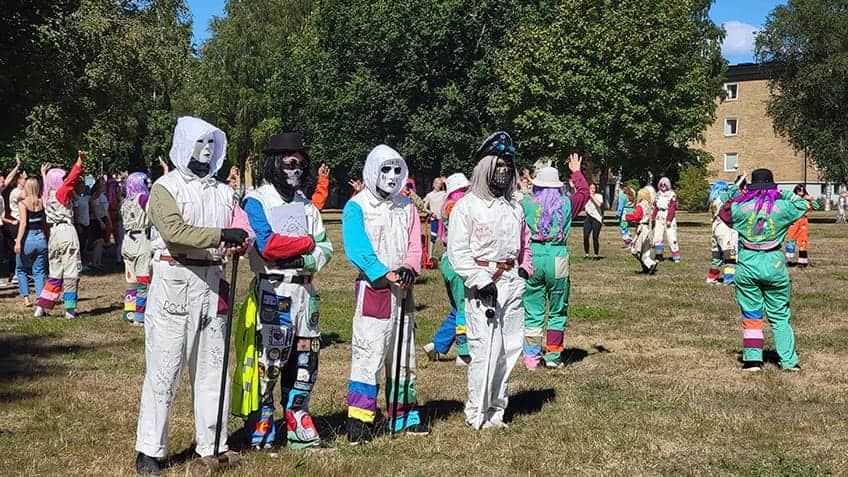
(188, 131)
(373, 163)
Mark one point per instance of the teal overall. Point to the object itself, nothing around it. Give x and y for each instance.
(763, 286)
(549, 285)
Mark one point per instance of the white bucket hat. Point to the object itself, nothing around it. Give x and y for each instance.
(547, 177)
(454, 182)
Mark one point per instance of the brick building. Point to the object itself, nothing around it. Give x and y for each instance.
(742, 136)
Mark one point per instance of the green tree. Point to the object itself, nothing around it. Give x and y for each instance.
(631, 81)
(804, 49)
(693, 189)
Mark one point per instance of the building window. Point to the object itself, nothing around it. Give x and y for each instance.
(731, 162)
(732, 90)
(731, 126)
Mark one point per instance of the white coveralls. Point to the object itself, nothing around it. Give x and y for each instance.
(490, 231)
(287, 329)
(724, 243)
(381, 235)
(136, 251)
(662, 206)
(640, 247)
(184, 320)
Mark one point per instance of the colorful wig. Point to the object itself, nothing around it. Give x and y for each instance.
(52, 181)
(550, 200)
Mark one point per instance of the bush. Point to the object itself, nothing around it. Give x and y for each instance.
(693, 189)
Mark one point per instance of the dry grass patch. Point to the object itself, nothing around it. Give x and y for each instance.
(652, 385)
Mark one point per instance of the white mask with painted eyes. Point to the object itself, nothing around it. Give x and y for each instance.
(204, 148)
(390, 174)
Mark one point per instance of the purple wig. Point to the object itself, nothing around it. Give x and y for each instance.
(763, 196)
(136, 184)
(52, 181)
(550, 200)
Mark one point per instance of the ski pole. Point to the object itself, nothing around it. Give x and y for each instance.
(398, 363)
(227, 329)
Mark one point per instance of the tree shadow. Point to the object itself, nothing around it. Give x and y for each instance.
(329, 339)
(528, 402)
(440, 409)
(26, 357)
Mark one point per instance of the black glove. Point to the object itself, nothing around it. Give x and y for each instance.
(291, 262)
(406, 276)
(488, 294)
(233, 237)
(523, 273)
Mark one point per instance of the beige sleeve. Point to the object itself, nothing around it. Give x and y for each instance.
(166, 217)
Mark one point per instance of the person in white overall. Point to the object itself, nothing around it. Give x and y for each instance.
(291, 246)
(135, 248)
(198, 221)
(488, 246)
(640, 247)
(665, 223)
(382, 239)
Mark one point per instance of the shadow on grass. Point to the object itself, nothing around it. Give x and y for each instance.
(103, 309)
(769, 356)
(26, 357)
(329, 339)
(570, 356)
(528, 402)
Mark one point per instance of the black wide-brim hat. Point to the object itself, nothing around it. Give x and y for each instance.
(285, 142)
(762, 179)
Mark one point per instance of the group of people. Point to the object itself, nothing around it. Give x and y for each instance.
(506, 270)
(653, 214)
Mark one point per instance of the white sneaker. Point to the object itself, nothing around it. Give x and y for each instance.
(495, 425)
(711, 281)
(460, 361)
(39, 311)
(71, 315)
(430, 349)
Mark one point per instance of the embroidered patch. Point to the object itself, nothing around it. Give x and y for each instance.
(304, 344)
(274, 354)
(269, 299)
(302, 375)
(303, 359)
(273, 372)
(280, 337)
(261, 371)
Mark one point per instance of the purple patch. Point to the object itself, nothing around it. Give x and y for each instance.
(361, 401)
(377, 303)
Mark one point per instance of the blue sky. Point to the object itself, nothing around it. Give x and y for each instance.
(741, 19)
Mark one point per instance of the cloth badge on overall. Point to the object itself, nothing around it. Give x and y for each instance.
(276, 310)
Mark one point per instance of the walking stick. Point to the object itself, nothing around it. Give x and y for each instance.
(398, 358)
(227, 330)
(484, 400)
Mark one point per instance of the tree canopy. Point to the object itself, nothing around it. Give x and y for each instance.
(631, 81)
(804, 49)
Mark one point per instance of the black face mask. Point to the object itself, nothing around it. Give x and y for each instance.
(200, 169)
(501, 179)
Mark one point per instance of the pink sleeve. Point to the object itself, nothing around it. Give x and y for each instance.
(525, 255)
(413, 248)
(654, 212)
(240, 222)
(672, 208)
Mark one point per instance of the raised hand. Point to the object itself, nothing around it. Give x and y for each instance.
(574, 162)
(323, 170)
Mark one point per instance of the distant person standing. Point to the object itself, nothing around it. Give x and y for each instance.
(9, 229)
(433, 202)
(100, 222)
(31, 242)
(82, 219)
(593, 222)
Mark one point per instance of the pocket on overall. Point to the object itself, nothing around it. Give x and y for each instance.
(377, 303)
(561, 267)
(313, 312)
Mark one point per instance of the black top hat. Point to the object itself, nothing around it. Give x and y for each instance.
(762, 179)
(285, 142)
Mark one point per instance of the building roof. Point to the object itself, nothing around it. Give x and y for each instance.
(745, 72)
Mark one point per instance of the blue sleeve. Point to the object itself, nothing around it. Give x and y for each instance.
(258, 222)
(621, 203)
(357, 245)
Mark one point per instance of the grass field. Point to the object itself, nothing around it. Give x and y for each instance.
(653, 384)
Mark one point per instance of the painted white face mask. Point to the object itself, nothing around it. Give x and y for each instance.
(203, 148)
(390, 172)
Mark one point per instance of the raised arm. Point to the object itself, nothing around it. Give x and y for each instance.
(581, 187)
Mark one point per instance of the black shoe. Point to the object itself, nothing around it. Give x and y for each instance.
(653, 269)
(358, 431)
(419, 429)
(146, 465)
(752, 366)
(659, 258)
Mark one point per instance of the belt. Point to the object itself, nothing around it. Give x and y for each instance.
(134, 233)
(297, 279)
(501, 267)
(760, 247)
(189, 262)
